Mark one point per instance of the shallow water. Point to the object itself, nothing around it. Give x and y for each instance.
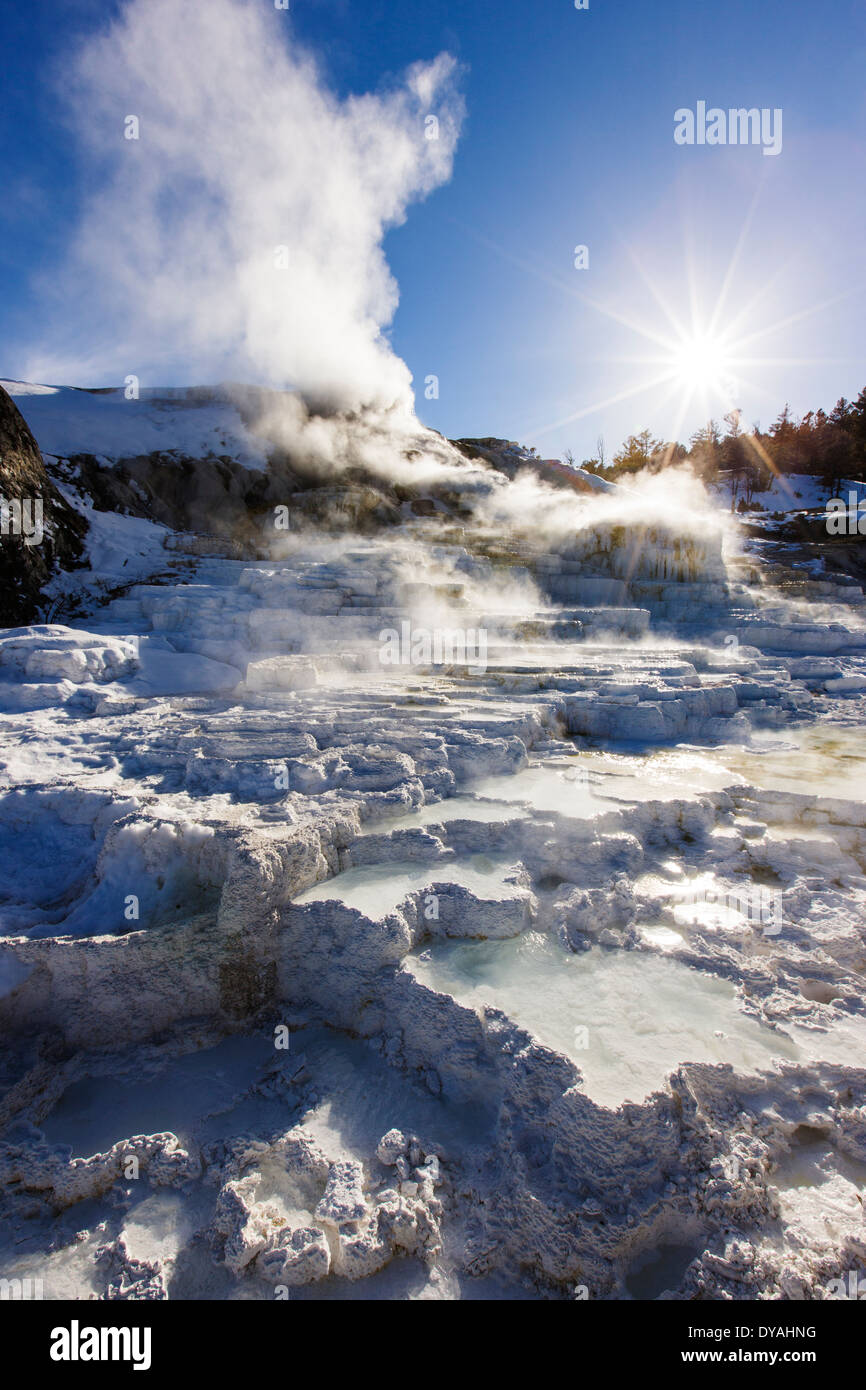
(562, 790)
(598, 782)
(626, 1019)
(661, 1270)
(829, 760)
(442, 812)
(825, 759)
(669, 774)
(376, 889)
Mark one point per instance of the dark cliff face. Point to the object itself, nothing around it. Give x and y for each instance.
(41, 533)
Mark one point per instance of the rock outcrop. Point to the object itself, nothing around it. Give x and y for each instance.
(40, 531)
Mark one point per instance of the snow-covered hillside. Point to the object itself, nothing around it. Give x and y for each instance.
(456, 892)
(793, 493)
(197, 423)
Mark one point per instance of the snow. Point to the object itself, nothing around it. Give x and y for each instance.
(430, 980)
(794, 492)
(69, 420)
(164, 671)
(123, 548)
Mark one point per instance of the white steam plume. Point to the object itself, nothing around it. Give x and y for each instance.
(242, 149)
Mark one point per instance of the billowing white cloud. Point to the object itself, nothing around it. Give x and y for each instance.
(241, 234)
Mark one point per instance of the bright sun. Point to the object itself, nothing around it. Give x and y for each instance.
(701, 363)
(703, 358)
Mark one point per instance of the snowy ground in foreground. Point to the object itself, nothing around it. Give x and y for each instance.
(305, 959)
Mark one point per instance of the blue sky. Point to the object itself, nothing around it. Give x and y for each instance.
(568, 140)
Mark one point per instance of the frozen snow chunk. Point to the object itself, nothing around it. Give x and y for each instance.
(430, 1170)
(77, 664)
(301, 1257)
(362, 1253)
(17, 698)
(343, 1202)
(69, 665)
(51, 651)
(240, 1219)
(258, 1231)
(392, 1146)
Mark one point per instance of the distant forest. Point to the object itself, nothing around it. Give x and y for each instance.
(829, 446)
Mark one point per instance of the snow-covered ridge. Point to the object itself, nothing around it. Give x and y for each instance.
(194, 422)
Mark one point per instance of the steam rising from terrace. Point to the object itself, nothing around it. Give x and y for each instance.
(387, 442)
(675, 500)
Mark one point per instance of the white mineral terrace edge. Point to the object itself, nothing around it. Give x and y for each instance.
(540, 980)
